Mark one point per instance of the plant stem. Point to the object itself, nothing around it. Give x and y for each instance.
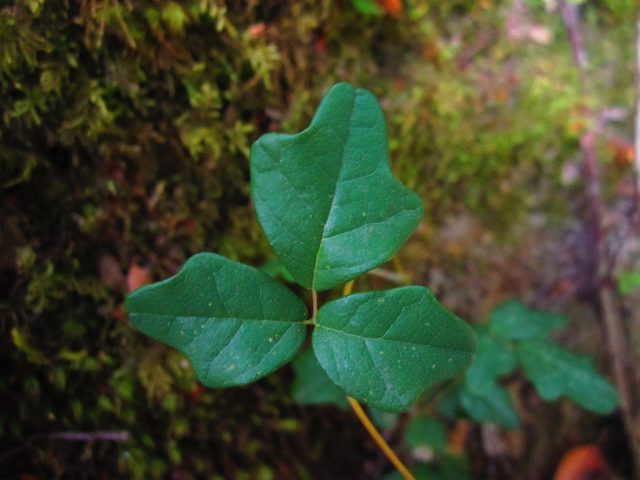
(382, 444)
(624, 370)
(368, 425)
(314, 305)
(348, 288)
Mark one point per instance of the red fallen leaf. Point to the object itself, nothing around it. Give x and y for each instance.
(138, 191)
(137, 277)
(622, 151)
(119, 313)
(190, 225)
(580, 463)
(392, 7)
(195, 393)
(257, 30)
(320, 44)
(399, 83)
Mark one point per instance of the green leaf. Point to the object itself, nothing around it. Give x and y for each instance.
(234, 323)
(275, 269)
(491, 405)
(326, 198)
(555, 371)
(493, 359)
(312, 386)
(426, 431)
(368, 7)
(514, 321)
(448, 402)
(628, 282)
(448, 467)
(386, 347)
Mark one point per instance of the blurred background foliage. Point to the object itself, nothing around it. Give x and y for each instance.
(124, 136)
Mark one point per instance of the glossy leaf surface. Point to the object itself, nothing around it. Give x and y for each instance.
(386, 347)
(233, 322)
(326, 198)
(555, 372)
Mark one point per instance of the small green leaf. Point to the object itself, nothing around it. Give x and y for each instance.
(628, 282)
(312, 386)
(368, 7)
(555, 371)
(426, 431)
(491, 405)
(326, 198)
(386, 347)
(234, 323)
(514, 321)
(493, 359)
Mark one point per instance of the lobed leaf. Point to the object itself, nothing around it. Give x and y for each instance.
(386, 347)
(555, 371)
(491, 405)
(493, 359)
(514, 321)
(326, 198)
(233, 322)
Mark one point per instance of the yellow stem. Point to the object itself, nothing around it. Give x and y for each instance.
(400, 269)
(368, 425)
(382, 444)
(348, 288)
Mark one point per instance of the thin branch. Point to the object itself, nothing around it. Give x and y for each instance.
(348, 288)
(616, 336)
(382, 444)
(571, 15)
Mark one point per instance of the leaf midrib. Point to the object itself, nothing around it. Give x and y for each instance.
(209, 317)
(335, 189)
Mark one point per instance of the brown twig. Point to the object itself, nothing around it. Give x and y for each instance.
(379, 440)
(602, 273)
